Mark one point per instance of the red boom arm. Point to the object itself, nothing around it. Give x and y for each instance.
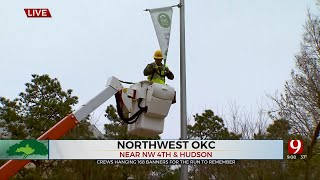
(57, 131)
(65, 125)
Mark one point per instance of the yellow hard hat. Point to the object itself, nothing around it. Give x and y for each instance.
(158, 54)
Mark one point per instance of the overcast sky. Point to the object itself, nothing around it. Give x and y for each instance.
(236, 50)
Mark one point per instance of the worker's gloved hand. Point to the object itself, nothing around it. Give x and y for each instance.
(168, 72)
(157, 69)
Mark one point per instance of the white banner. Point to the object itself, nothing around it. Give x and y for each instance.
(162, 18)
(165, 149)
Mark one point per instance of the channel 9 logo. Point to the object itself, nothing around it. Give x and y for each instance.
(295, 147)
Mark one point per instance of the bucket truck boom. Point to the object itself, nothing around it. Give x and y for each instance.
(143, 106)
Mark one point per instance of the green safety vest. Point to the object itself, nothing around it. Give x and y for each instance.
(156, 78)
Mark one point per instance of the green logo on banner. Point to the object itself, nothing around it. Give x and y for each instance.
(164, 20)
(33, 148)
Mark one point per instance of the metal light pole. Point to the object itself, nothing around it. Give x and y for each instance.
(183, 97)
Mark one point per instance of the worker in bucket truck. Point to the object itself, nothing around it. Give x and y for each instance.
(156, 71)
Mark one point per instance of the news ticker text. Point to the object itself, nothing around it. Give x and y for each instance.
(165, 162)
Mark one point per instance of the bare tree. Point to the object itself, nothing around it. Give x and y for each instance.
(300, 102)
(247, 123)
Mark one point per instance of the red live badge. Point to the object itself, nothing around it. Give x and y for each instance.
(37, 13)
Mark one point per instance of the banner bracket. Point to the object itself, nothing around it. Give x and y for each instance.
(178, 5)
